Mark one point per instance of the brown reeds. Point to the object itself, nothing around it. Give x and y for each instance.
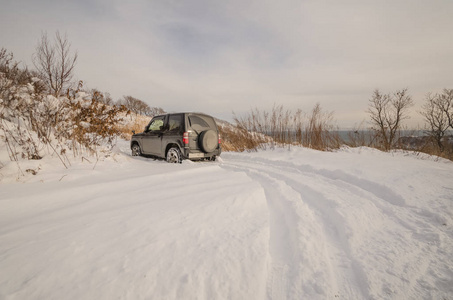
(284, 127)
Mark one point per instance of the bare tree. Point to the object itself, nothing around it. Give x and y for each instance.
(446, 104)
(139, 107)
(135, 105)
(437, 112)
(97, 95)
(108, 100)
(101, 97)
(54, 62)
(386, 113)
(156, 111)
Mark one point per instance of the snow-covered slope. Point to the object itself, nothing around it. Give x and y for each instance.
(281, 224)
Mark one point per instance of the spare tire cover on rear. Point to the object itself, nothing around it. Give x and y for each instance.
(208, 140)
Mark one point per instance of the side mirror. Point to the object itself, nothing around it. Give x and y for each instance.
(133, 131)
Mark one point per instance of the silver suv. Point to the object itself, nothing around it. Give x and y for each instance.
(179, 136)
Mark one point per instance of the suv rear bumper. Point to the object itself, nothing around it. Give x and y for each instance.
(200, 155)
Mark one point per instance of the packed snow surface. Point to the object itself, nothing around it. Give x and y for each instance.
(276, 224)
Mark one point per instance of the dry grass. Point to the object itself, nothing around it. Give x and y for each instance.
(428, 145)
(237, 139)
(320, 133)
(132, 122)
(284, 127)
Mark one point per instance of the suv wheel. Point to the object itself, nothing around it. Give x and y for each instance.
(136, 151)
(174, 155)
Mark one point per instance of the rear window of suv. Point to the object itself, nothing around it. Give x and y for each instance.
(199, 123)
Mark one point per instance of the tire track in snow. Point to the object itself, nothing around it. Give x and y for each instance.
(407, 256)
(391, 204)
(325, 266)
(382, 192)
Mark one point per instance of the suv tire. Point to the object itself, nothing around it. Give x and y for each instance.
(208, 140)
(136, 151)
(174, 155)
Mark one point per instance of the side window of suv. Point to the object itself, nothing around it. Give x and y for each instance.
(156, 124)
(174, 123)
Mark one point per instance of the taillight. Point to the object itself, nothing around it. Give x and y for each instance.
(185, 138)
(220, 140)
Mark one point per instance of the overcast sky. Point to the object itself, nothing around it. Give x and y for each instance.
(225, 56)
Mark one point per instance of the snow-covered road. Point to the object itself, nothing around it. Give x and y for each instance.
(281, 224)
(333, 234)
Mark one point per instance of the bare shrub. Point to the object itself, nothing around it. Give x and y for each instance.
(12, 75)
(34, 123)
(90, 124)
(387, 113)
(83, 123)
(17, 95)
